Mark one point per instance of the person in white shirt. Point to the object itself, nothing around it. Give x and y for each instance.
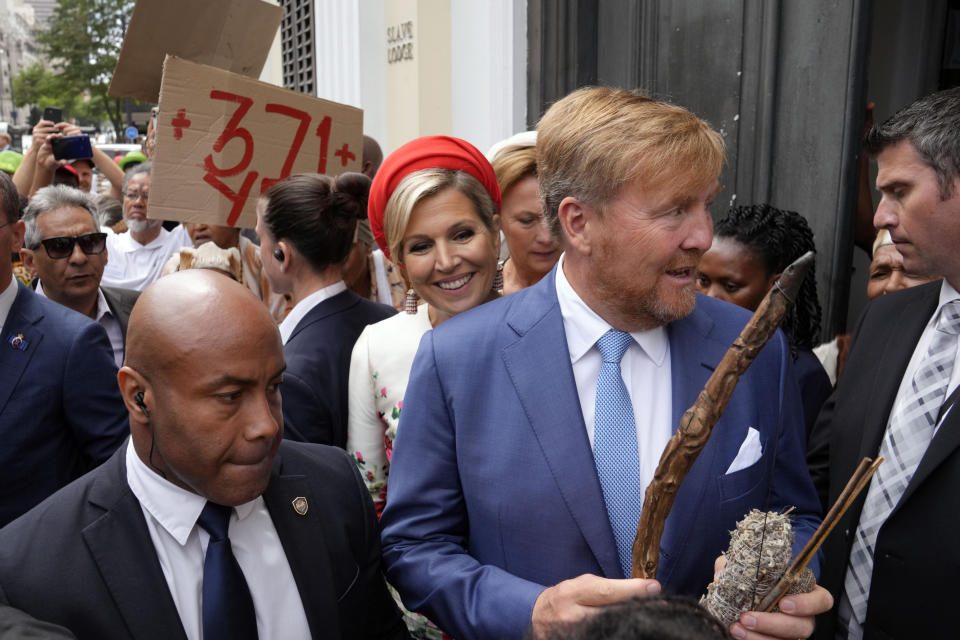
(65, 252)
(138, 254)
(205, 524)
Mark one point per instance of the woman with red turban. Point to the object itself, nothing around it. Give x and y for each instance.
(434, 211)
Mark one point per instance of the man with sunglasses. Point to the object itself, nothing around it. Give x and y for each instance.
(61, 413)
(65, 252)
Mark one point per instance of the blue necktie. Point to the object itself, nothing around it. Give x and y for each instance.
(228, 611)
(615, 446)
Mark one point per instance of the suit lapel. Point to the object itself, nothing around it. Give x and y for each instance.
(693, 359)
(305, 547)
(119, 541)
(898, 345)
(21, 322)
(120, 306)
(554, 414)
(944, 442)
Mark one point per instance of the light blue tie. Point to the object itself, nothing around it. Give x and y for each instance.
(615, 446)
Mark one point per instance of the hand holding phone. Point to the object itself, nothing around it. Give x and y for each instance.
(53, 114)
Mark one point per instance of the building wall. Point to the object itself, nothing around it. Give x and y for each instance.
(17, 51)
(783, 82)
(467, 77)
(272, 69)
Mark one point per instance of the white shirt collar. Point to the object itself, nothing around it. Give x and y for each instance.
(127, 243)
(584, 326)
(174, 508)
(103, 309)
(304, 307)
(947, 293)
(6, 300)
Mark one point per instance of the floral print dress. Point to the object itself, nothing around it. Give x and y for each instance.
(379, 371)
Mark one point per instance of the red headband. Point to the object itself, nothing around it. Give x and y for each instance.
(429, 152)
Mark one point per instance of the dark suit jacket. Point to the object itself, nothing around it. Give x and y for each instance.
(318, 352)
(16, 625)
(119, 300)
(84, 558)
(121, 303)
(61, 412)
(917, 560)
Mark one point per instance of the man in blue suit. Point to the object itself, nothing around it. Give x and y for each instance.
(60, 408)
(534, 424)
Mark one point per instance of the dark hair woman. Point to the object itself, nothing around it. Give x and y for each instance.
(306, 224)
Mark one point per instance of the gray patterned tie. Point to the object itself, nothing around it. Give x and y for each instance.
(912, 425)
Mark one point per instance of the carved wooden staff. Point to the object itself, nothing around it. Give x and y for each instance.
(698, 421)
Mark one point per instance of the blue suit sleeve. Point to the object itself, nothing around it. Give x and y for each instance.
(792, 485)
(426, 523)
(93, 406)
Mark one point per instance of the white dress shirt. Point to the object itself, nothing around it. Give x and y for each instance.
(6, 301)
(132, 265)
(171, 514)
(947, 294)
(305, 306)
(107, 320)
(645, 369)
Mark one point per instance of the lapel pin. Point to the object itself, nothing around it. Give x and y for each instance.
(17, 342)
(300, 505)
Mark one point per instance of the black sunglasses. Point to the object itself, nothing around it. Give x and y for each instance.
(62, 246)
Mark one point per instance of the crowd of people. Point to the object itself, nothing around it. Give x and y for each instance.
(202, 425)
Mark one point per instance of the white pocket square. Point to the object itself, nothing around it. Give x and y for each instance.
(750, 451)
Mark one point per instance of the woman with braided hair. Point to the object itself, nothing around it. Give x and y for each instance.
(751, 247)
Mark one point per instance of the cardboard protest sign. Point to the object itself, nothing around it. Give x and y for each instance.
(230, 34)
(223, 139)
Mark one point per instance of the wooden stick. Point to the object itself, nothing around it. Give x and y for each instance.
(858, 481)
(698, 421)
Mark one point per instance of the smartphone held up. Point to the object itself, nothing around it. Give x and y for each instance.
(71, 147)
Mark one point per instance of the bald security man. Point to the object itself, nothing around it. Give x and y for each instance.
(206, 524)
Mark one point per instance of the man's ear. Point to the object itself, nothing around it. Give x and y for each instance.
(773, 280)
(575, 217)
(18, 229)
(29, 262)
(131, 383)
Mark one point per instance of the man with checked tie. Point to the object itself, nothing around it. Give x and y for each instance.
(534, 423)
(894, 564)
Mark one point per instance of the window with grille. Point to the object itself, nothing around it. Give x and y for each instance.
(296, 39)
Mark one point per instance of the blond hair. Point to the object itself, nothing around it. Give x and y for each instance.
(596, 140)
(422, 184)
(513, 166)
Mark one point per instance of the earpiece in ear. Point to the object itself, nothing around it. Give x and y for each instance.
(139, 399)
(278, 254)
